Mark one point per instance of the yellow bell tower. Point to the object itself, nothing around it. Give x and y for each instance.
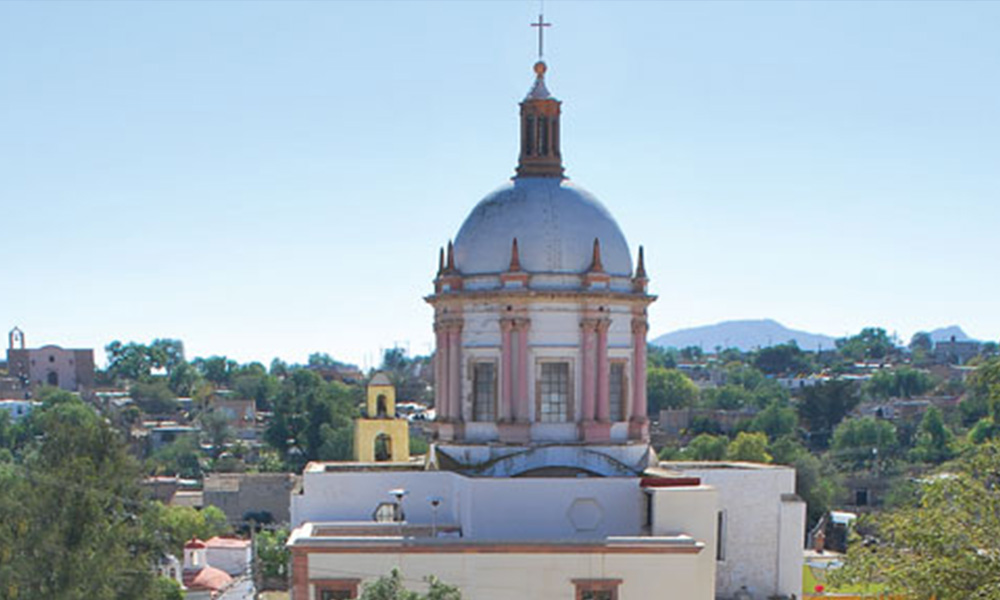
(379, 436)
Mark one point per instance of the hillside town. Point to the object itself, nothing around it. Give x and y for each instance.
(231, 453)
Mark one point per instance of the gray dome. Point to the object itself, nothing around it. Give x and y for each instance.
(555, 224)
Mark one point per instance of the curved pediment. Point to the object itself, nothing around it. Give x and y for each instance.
(560, 460)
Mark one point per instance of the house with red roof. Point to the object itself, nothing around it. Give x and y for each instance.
(201, 580)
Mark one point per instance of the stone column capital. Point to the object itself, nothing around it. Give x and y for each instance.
(452, 325)
(640, 325)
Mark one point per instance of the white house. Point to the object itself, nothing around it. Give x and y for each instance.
(18, 409)
(202, 581)
(232, 555)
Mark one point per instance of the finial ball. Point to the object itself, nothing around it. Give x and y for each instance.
(540, 68)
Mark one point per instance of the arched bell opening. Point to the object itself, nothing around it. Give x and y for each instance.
(383, 447)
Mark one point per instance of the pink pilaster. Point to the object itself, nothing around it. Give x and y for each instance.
(440, 370)
(588, 372)
(523, 405)
(639, 423)
(455, 372)
(506, 371)
(639, 396)
(603, 372)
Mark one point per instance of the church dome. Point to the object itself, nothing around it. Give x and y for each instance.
(555, 223)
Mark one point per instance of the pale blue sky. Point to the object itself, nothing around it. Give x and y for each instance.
(269, 179)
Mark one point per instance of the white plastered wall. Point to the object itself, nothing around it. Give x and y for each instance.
(764, 526)
(532, 576)
(231, 560)
(486, 508)
(691, 511)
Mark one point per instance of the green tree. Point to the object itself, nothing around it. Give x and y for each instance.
(394, 361)
(130, 362)
(136, 362)
(337, 440)
(921, 340)
(706, 447)
(165, 588)
(781, 359)
(943, 545)
(747, 387)
(279, 368)
(391, 587)
(669, 388)
(984, 383)
(727, 397)
(777, 420)
(167, 528)
(921, 346)
(658, 356)
(744, 376)
(731, 355)
(324, 360)
(692, 353)
(269, 461)
(973, 408)
(749, 447)
(71, 513)
(935, 442)
(982, 404)
(859, 442)
(52, 396)
(154, 397)
(984, 430)
(216, 369)
(273, 555)
(167, 354)
(252, 382)
(301, 409)
(873, 343)
(823, 406)
(183, 380)
(704, 424)
(181, 457)
(903, 382)
(216, 430)
(6, 430)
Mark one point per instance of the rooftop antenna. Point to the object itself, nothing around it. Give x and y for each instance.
(541, 25)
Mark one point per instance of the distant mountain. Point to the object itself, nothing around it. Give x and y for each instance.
(745, 335)
(943, 334)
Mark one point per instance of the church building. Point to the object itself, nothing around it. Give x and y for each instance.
(541, 482)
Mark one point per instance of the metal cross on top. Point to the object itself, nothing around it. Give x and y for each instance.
(541, 25)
